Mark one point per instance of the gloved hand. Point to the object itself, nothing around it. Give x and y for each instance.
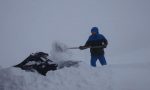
(82, 47)
(104, 46)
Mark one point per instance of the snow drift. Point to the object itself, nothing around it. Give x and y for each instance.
(127, 72)
(73, 78)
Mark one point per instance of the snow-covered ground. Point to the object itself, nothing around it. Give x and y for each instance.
(81, 78)
(133, 74)
(131, 70)
(27, 26)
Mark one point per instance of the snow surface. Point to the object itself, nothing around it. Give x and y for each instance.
(32, 25)
(81, 78)
(132, 75)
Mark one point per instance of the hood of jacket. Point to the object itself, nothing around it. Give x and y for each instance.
(95, 29)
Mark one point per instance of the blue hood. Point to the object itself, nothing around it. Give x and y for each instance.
(95, 29)
(97, 36)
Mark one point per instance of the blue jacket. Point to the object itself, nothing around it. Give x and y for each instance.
(96, 40)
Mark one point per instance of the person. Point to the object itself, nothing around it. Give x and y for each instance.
(96, 42)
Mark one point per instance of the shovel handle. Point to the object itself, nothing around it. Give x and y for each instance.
(73, 48)
(87, 47)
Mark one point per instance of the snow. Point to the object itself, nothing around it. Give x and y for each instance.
(131, 70)
(81, 78)
(131, 77)
(115, 76)
(27, 26)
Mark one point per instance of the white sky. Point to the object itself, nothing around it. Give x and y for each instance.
(27, 26)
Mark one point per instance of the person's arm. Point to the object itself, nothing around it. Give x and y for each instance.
(87, 44)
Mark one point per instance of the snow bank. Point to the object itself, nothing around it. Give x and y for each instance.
(74, 78)
(130, 72)
(9, 81)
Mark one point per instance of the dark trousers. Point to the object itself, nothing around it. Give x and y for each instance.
(101, 58)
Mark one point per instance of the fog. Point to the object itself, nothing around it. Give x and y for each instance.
(27, 26)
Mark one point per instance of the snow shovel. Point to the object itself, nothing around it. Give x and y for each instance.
(59, 48)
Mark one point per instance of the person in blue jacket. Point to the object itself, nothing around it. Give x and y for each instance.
(96, 42)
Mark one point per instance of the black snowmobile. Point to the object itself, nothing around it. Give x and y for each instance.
(42, 64)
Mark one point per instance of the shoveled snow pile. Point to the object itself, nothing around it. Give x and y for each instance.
(73, 78)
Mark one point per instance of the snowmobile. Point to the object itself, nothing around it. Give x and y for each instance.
(40, 62)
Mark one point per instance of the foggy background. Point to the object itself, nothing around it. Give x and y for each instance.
(27, 26)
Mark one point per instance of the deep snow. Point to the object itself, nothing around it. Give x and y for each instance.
(133, 74)
(81, 78)
(32, 25)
